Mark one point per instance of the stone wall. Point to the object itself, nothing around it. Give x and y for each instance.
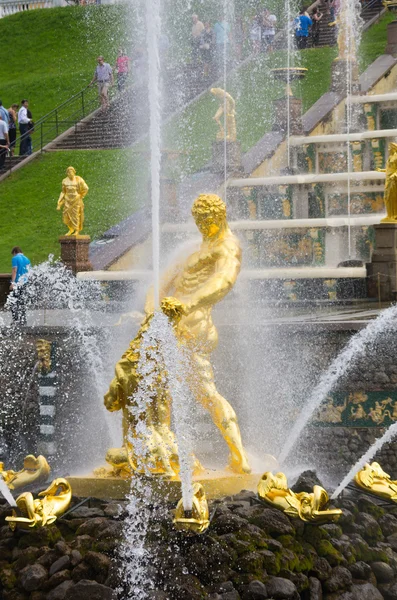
(250, 552)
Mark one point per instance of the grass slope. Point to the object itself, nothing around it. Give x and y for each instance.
(28, 214)
(53, 52)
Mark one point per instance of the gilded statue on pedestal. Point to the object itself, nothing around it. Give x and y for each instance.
(373, 479)
(228, 105)
(311, 507)
(74, 189)
(197, 520)
(51, 503)
(391, 185)
(34, 471)
(192, 286)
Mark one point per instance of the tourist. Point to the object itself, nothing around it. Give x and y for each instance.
(207, 46)
(222, 39)
(256, 34)
(197, 30)
(315, 31)
(103, 76)
(20, 267)
(302, 24)
(12, 126)
(3, 113)
(23, 121)
(4, 141)
(122, 69)
(29, 148)
(268, 30)
(239, 37)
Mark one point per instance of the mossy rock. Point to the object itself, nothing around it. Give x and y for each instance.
(326, 550)
(43, 536)
(257, 538)
(271, 561)
(252, 563)
(290, 542)
(368, 506)
(8, 578)
(305, 563)
(315, 535)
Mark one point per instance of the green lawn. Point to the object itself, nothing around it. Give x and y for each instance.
(52, 53)
(28, 214)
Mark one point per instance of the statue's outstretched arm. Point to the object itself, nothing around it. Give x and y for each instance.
(218, 285)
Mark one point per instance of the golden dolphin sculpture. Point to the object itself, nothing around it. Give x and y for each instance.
(35, 470)
(310, 507)
(52, 503)
(373, 479)
(197, 520)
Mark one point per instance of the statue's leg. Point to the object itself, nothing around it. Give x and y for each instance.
(222, 413)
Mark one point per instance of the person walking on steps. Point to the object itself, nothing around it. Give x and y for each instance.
(19, 277)
(103, 76)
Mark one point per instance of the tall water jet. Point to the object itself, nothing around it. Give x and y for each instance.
(366, 458)
(345, 78)
(354, 349)
(153, 32)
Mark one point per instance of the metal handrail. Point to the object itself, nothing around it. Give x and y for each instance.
(371, 4)
(57, 121)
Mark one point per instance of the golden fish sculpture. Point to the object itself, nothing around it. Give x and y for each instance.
(372, 478)
(51, 503)
(35, 470)
(197, 520)
(310, 507)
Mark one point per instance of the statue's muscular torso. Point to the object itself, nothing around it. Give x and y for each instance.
(214, 266)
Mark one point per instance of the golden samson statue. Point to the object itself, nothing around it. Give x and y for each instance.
(74, 189)
(189, 290)
(391, 185)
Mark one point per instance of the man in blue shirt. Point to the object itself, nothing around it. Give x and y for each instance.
(302, 24)
(19, 276)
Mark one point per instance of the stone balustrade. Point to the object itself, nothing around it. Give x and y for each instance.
(10, 7)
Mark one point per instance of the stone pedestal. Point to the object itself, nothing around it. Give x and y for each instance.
(382, 270)
(233, 157)
(339, 75)
(391, 47)
(74, 252)
(5, 279)
(281, 107)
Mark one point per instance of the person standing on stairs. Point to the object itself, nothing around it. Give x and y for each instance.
(24, 122)
(12, 126)
(103, 76)
(316, 17)
(3, 141)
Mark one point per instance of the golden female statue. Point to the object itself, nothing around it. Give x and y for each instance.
(391, 185)
(225, 99)
(193, 287)
(74, 189)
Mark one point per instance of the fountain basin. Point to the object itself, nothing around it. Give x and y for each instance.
(215, 483)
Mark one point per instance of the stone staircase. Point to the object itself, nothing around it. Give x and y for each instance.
(127, 118)
(11, 162)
